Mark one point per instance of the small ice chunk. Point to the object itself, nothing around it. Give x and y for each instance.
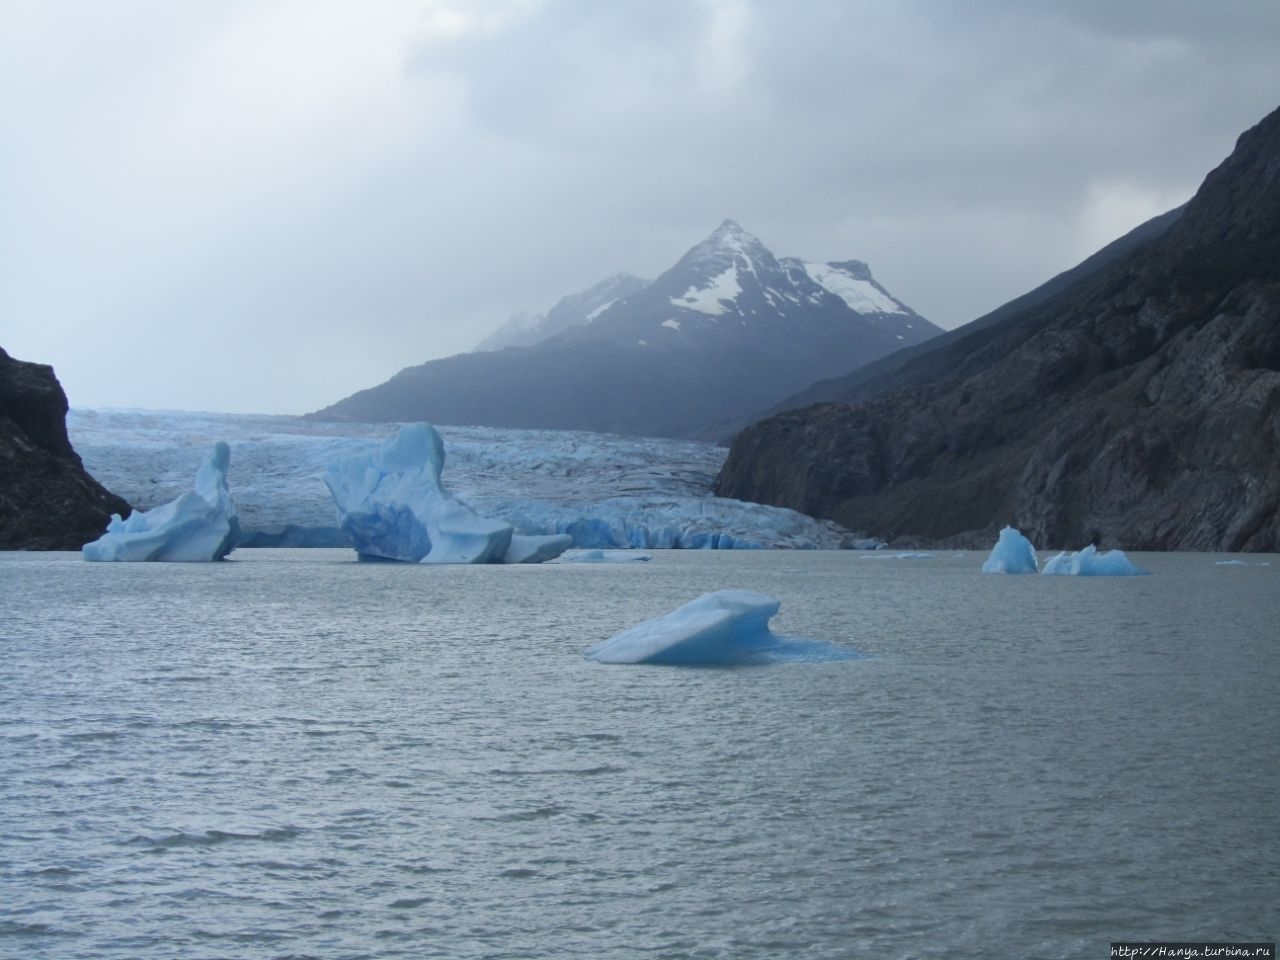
(200, 525)
(607, 556)
(536, 549)
(728, 626)
(1089, 563)
(1013, 553)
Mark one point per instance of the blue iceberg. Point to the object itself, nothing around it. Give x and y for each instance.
(393, 506)
(536, 549)
(725, 627)
(1013, 553)
(200, 525)
(1090, 563)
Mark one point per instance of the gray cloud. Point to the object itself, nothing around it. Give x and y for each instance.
(251, 206)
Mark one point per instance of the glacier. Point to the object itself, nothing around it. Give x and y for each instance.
(603, 491)
(725, 628)
(199, 525)
(1089, 563)
(1013, 553)
(393, 506)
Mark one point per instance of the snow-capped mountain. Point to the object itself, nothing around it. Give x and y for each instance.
(728, 330)
(528, 327)
(730, 288)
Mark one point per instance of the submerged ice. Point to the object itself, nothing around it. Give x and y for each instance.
(393, 506)
(724, 627)
(200, 525)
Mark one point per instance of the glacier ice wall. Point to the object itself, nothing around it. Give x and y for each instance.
(603, 491)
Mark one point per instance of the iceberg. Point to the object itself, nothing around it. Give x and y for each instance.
(393, 506)
(1013, 553)
(726, 627)
(529, 549)
(200, 525)
(607, 556)
(1089, 563)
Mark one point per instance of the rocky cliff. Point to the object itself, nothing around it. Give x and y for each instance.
(1139, 408)
(47, 500)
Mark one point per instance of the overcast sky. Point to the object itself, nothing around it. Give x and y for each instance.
(264, 206)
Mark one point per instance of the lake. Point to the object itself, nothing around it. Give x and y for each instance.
(291, 754)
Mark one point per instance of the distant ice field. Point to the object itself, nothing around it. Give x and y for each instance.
(604, 490)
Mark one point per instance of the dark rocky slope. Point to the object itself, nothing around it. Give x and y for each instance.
(47, 500)
(1139, 408)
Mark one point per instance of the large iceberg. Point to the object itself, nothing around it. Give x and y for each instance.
(1013, 553)
(199, 525)
(393, 506)
(724, 627)
(1090, 563)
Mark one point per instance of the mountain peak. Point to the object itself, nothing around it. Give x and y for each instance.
(727, 242)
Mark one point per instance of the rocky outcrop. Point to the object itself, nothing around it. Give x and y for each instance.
(47, 500)
(1140, 407)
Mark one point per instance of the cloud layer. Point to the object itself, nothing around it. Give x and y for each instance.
(266, 206)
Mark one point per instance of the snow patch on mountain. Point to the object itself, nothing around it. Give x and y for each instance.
(723, 286)
(600, 309)
(862, 296)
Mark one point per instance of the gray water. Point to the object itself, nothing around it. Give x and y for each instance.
(294, 755)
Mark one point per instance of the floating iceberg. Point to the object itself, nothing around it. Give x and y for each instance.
(200, 525)
(1013, 553)
(607, 556)
(393, 506)
(527, 549)
(725, 627)
(1090, 563)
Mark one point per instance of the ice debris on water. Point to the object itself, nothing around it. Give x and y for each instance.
(200, 525)
(1013, 553)
(1090, 563)
(725, 627)
(606, 556)
(394, 506)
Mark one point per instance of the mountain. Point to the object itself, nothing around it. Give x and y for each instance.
(727, 330)
(896, 371)
(526, 328)
(1139, 406)
(47, 500)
